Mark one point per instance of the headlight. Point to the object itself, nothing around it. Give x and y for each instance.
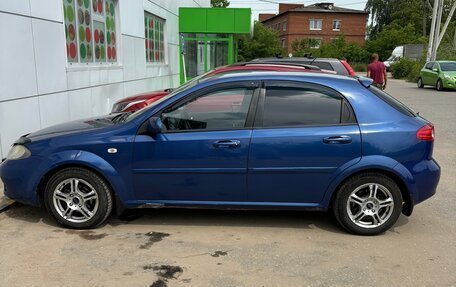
(18, 152)
(447, 76)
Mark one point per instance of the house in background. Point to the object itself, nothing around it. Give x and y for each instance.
(321, 22)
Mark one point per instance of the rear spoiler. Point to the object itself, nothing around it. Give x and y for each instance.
(366, 82)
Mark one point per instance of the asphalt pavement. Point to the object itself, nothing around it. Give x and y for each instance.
(176, 247)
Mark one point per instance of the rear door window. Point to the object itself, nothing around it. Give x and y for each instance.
(289, 104)
(392, 101)
(323, 65)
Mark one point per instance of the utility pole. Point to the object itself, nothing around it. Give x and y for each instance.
(447, 22)
(435, 37)
(437, 30)
(431, 35)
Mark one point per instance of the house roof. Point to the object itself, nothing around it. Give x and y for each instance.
(324, 7)
(319, 7)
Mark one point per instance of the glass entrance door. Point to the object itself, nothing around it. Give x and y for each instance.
(200, 53)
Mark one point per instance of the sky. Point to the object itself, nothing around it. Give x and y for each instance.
(272, 6)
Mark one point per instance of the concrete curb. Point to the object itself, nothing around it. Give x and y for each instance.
(5, 202)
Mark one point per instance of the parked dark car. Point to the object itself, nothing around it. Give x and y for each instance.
(137, 102)
(341, 67)
(286, 141)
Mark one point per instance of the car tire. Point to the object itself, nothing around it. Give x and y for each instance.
(420, 83)
(368, 204)
(78, 198)
(439, 85)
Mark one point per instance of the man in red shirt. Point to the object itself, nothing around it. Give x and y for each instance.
(376, 70)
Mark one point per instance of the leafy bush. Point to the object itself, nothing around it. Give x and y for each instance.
(414, 73)
(402, 68)
(264, 43)
(359, 67)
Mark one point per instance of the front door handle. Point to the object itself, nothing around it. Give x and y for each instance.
(227, 143)
(337, 140)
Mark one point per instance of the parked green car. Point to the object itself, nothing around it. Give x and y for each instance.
(440, 74)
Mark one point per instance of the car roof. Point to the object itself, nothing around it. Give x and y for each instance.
(271, 75)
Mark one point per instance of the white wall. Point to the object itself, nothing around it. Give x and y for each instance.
(39, 89)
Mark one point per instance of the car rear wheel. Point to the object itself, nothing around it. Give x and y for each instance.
(368, 204)
(78, 198)
(420, 83)
(439, 85)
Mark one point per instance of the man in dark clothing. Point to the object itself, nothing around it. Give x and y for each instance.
(376, 70)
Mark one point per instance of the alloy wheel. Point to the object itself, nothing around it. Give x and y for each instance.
(75, 200)
(370, 205)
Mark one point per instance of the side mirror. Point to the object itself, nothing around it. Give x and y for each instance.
(435, 69)
(154, 126)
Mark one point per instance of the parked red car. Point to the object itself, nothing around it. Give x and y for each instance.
(137, 102)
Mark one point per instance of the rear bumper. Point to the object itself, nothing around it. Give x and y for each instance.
(426, 175)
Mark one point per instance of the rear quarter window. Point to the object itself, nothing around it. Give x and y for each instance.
(392, 101)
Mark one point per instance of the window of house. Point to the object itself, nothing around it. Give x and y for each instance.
(90, 31)
(284, 26)
(154, 38)
(292, 105)
(283, 43)
(336, 25)
(316, 24)
(315, 43)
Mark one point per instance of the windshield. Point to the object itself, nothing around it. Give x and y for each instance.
(448, 66)
(181, 88)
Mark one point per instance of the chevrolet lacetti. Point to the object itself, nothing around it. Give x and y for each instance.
(245, 140)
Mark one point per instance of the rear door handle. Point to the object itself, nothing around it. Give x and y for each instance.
(227, 144)
(337, 140)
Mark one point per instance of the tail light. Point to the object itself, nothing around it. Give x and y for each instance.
(349, 69)
(426, 133)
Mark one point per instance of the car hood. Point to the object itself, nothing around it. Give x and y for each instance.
(144, 96)
(73, 127)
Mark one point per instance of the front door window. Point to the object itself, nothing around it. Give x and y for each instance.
(219, 110)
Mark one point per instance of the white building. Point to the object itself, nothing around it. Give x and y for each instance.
(63, 60)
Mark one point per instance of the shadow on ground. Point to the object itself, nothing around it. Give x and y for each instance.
(203, 217)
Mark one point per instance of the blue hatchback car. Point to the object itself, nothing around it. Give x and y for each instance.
(246, 141)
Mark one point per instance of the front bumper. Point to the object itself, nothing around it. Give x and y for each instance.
(21, 178)
(449, 84)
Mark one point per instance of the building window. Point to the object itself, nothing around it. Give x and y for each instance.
(154, 38)
(316, 24)
(283, 43)
(315, 43)
(90, 30)
(284, 26)
(336, 25)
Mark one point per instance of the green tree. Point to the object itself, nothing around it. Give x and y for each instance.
(220, 3)
(392, 36)
(396, 12)
(303, 47)
(264, 43)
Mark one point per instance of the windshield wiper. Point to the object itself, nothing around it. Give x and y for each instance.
(122, 117)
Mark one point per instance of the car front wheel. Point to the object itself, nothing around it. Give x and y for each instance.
(439, 85)
(78, 198)
(368, 204)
